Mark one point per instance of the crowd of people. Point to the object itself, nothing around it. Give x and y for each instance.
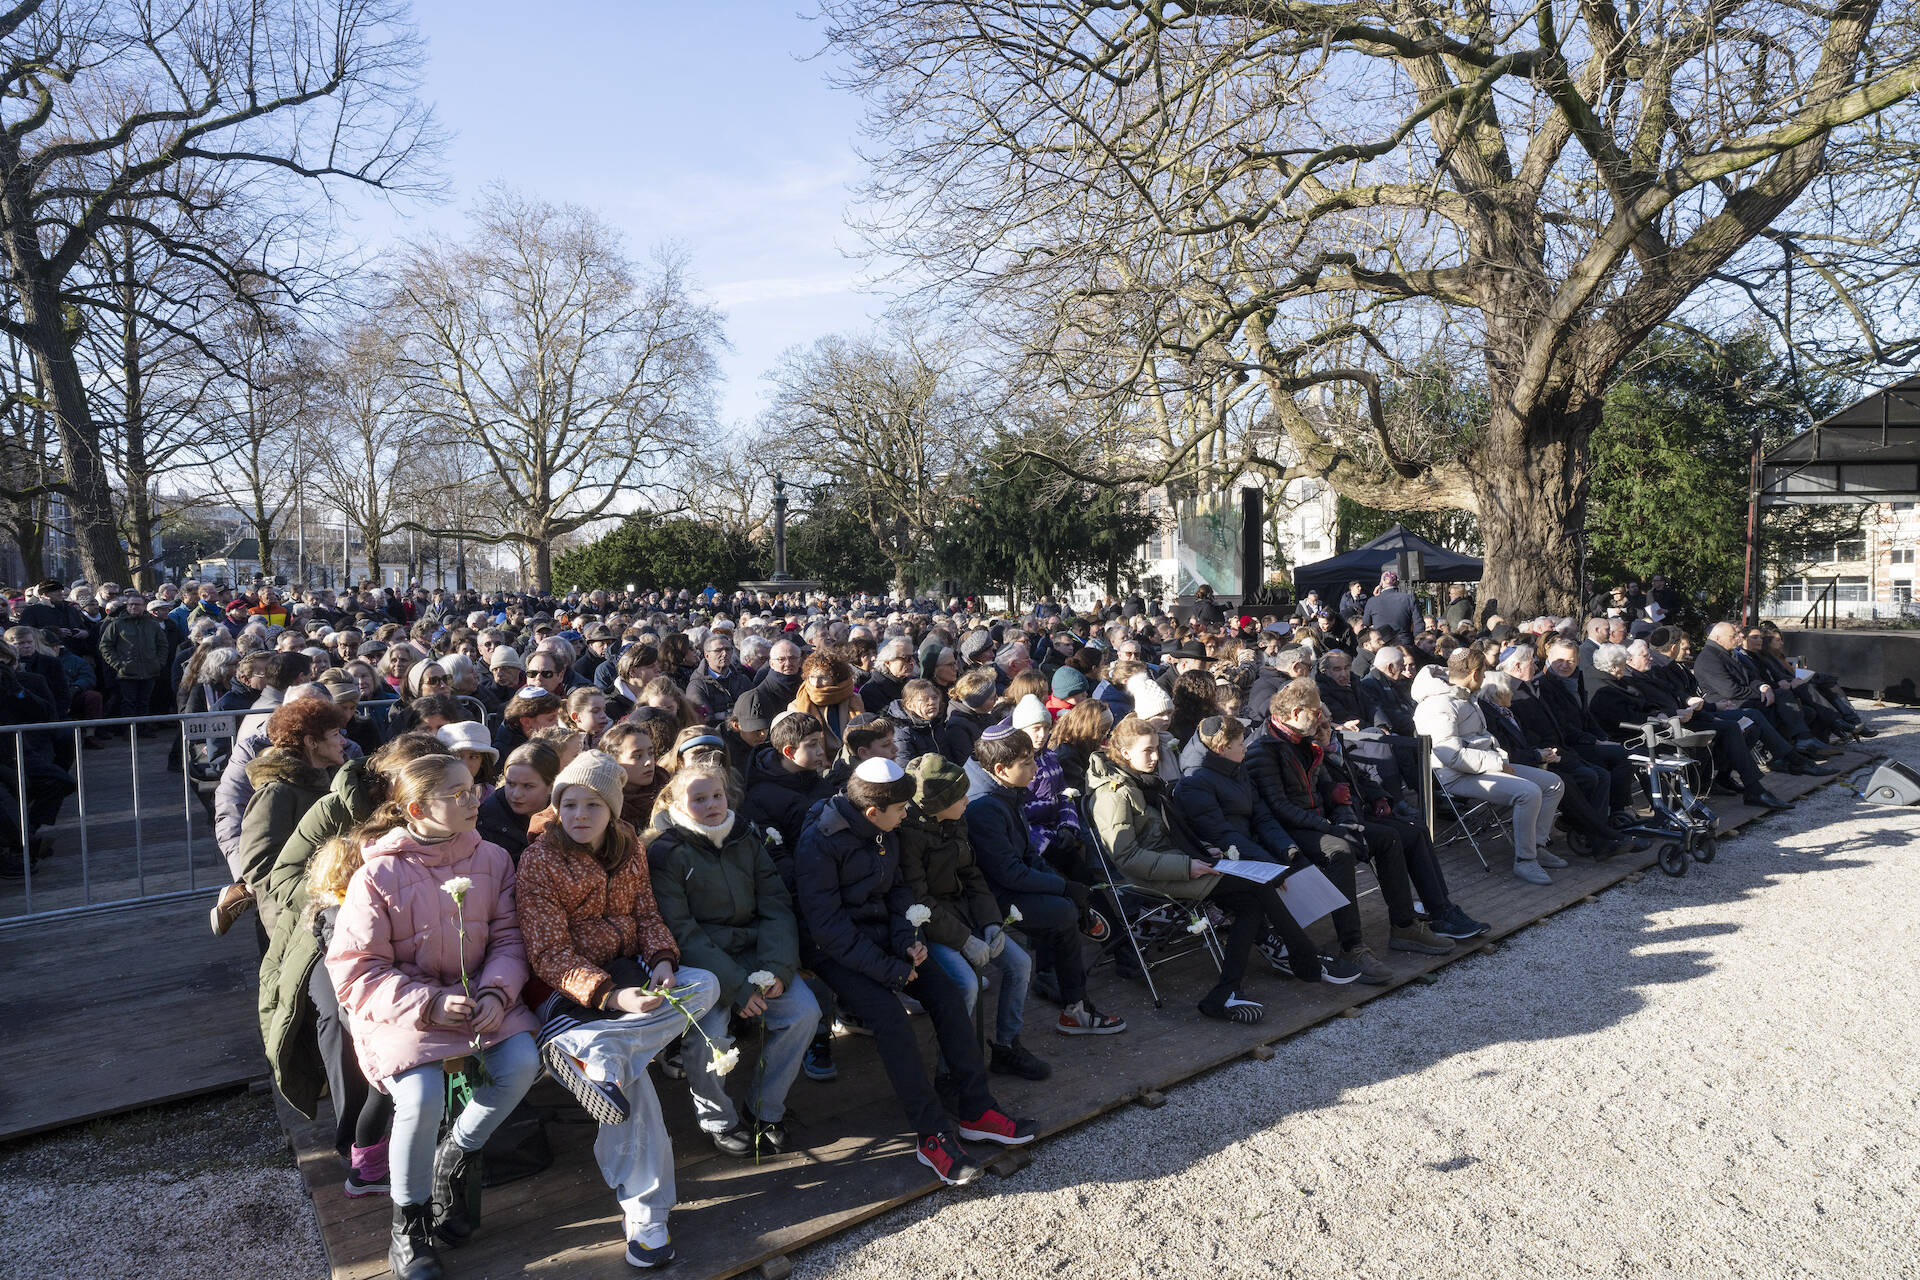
(607, 836)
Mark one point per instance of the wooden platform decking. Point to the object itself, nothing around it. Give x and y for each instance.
(70, 988)
(734, 1216)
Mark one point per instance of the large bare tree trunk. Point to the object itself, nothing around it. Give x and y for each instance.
(542, 564)
(1532, 500)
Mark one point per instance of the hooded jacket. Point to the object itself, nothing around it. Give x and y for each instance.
(726, 905)
(1134, 830)
(1002, 840)
(347, 803)
(853, 894)
(285, 787)
(578, 916)
(1463, 746)
(778, 798)
(1217, 802)
(397, 945)
(939, 865)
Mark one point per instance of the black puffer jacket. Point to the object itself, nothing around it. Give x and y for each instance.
(1216, 800)
(853, 896)
(500, 824)
(916, 737)
(1292, 781)
(778, 798)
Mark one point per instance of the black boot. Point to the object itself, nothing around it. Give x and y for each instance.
(456, 1176)
(410, 1254)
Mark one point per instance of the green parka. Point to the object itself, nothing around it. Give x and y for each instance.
(286, 1011)
(1135, 833)
(285, 786)
(348, 803)
(728, 908)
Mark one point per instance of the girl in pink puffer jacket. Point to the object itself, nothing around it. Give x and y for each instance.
(434, 902)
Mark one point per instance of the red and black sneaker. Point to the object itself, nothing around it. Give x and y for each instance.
(948, 1160)
(993, 1126)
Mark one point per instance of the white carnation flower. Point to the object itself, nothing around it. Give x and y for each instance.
(1199, 925)
(725, 1062)
(762, 979)
(457, 888)
(918, 915)
(1014, 916)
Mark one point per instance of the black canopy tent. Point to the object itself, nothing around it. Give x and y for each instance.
(1364, 563)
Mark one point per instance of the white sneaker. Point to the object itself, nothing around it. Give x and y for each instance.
(1551, 861)
(648, 1245)
(1530, 871)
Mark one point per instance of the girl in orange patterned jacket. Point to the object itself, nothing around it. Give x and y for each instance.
(601, 959)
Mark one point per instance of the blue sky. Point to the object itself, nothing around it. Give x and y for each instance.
(699, 124)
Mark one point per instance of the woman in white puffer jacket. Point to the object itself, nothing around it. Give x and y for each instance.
(1469, 763)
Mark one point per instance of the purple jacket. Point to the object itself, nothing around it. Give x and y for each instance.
(1048, 811)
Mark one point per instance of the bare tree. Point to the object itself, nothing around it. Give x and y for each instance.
(370, 429)
(729, 483)
(576, 374)
(263, 435)
(108, 102)
(148, 379)
(1136, 195)
(885, 419)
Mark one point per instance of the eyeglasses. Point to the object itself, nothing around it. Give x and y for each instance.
(465, 795)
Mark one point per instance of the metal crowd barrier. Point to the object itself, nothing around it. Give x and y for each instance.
(194, 728)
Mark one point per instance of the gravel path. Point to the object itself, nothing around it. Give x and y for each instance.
(1714, 1076)
(1710, 1077)
(183, 1192)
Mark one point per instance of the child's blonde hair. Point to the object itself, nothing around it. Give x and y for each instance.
(329, 872)
(563, 738)
(683, 778)
(580, 699)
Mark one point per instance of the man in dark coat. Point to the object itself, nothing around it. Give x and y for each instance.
(1392, 609)
(718, 681)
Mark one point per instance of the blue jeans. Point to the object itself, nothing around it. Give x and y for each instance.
(1015, 967)
(420, 1097)
(788, 1024)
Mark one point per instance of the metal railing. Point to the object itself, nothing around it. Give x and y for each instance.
(101, 809)
(1823, 611)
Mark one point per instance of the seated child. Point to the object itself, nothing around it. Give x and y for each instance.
(1050, 904)
(601, 957)
(424, 976)
(855, 904)
(732, 915)
(966, 932)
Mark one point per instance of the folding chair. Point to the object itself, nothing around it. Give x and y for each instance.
(1158, 928)
(1474, 821)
